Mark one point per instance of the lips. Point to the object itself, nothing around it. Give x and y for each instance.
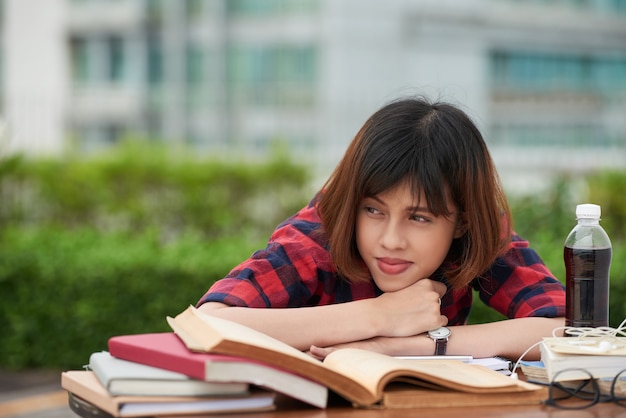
(392, 265)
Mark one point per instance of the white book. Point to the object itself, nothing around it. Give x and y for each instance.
(562, 353)
(122, 377)
(86, 394)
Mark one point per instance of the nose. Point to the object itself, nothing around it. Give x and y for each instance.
(392, 236)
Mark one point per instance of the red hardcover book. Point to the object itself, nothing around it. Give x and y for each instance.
(168, 352)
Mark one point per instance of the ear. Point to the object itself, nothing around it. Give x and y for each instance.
(461, 225)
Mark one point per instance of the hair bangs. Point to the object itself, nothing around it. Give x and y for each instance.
(407, 161)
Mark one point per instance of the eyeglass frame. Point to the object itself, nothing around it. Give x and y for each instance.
(574, 392)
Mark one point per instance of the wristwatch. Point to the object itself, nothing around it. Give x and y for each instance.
(440, 335)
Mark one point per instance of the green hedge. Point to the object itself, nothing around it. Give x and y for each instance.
(109, 245)
(139, 186)
(65, 292)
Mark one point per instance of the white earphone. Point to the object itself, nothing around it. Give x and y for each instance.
(602, 347)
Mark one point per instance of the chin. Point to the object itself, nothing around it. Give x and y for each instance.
(390, 287)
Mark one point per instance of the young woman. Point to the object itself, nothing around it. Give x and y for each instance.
(412, 219)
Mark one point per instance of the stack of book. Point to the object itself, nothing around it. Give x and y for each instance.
(222, 366)
(599, 357)
(126, 389)
(155, 374)
(570, 359)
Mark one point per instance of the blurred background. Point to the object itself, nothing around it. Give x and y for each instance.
(544, 79)
(147, 146)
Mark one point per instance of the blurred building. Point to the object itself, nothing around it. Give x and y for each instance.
(544, 79)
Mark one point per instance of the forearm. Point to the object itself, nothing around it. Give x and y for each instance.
(302, 327)
(410, 311)
(508, 338)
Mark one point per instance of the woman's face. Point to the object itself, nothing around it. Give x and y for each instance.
(399, 242)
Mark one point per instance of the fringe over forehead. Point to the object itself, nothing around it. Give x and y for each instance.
(425, 145)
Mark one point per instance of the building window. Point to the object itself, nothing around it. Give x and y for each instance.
(593, 86)
(619, 5)
(155, 60)
(196, 76)
(196, 68)
(196, 10)
(98, 59)
(553, 135)
(98, 136)
(154, 11)
(598, 6)
(270, 7)
(539, 72)
(79, 59)
(273, 75)
(116, 59)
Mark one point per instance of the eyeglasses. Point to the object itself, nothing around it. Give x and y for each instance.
(578, 389)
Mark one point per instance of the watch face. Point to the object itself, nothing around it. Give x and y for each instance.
(441, 332)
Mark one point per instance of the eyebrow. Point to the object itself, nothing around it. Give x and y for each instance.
(408, 209)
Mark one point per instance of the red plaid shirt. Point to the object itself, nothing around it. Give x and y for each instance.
(295, 270)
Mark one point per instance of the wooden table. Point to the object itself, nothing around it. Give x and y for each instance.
(288, 408)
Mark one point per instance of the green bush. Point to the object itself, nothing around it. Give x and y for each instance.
(112, 244)
(65, 292)
(138, 186)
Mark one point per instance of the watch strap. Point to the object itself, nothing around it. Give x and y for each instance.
(441, 344)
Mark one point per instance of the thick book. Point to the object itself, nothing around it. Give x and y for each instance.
(362, 377)
(85, 385)
(122, 377)
(602, 361)
(167, 351)
(535, 371)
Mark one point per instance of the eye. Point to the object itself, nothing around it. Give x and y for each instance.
(371, 210)
(419, 218)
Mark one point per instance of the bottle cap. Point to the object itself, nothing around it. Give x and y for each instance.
(588, 211)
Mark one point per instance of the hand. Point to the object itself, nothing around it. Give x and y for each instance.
(373, 344)
(410, 311)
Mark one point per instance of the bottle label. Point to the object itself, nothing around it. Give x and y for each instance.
(587, 255)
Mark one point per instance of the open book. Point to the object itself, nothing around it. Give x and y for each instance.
(365, 378)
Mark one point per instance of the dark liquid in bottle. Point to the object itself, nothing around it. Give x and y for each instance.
(587, 286)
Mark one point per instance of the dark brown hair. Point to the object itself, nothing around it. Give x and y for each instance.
(439, 151)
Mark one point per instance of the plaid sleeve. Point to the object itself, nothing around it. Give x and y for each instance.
(520, 285)
(289, 272)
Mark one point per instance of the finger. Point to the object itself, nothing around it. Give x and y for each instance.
(440, 288)
(430, 284)
(319, 352)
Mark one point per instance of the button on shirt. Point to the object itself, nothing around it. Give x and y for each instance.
(295, 270)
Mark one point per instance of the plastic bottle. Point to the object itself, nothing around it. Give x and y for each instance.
(587, 255)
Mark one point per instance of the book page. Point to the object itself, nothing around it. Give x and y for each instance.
(217, 331)
(375, 370)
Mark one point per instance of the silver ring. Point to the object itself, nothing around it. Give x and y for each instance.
(439, 301)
